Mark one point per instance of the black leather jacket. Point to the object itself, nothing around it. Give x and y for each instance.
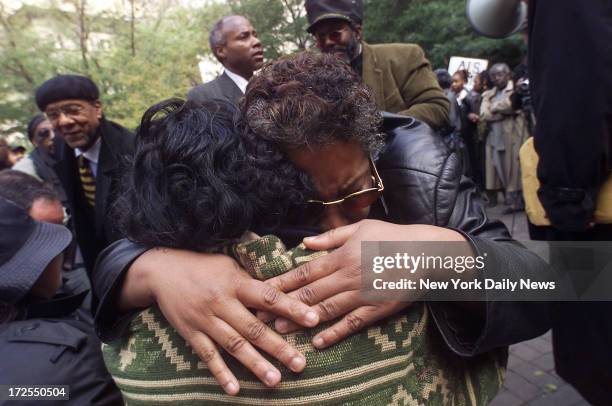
(423, 184)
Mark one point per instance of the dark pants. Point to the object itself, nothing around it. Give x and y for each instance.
(582, 331)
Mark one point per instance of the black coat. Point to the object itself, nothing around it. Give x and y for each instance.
(469, 133)
(221, 88)
(573, 137)
(423, 184)
(573, 134)
(94, 227)
(54, 345)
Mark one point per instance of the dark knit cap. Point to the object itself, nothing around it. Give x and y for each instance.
(348, 10)
(66, 87)
(37, 119)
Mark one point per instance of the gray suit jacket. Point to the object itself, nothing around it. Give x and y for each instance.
(222, 87)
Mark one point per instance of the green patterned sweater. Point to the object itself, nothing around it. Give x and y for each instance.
(402, 360)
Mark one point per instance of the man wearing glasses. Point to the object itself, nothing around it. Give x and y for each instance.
(90, 161)
(398, 74)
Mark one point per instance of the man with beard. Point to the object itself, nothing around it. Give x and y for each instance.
(399, 74)
(234, 42)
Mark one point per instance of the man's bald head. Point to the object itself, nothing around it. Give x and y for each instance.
(500, 75)
(503, 67)
(216, 37)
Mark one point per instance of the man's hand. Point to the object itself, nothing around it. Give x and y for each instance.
(473, 117)
(332, 282)
(206, 299)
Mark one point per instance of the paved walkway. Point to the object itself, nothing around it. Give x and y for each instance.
(531, 378)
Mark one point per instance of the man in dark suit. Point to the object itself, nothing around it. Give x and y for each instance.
(90, 161)
(234, 42)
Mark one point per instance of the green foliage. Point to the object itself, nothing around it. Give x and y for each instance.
(266, 17)
(164, 65)
(140, 58)
(281, 24)
(164, 62)
(22, 67)
(439, 26)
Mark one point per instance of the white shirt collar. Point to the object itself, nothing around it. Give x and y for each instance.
(461, 96)
(238, 80)
(93, 153)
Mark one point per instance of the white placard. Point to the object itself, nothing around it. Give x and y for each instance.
(472, 65)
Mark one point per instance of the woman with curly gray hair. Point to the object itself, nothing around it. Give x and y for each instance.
(311, 111)
(314, 109)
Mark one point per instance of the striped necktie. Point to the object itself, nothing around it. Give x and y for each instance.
(87, 180)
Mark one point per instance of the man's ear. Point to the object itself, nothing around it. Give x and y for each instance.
(220, 53)
(98, 106)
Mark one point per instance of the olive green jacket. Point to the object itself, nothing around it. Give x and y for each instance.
(402, 82)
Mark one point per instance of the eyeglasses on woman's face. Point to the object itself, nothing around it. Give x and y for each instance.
(352, 202)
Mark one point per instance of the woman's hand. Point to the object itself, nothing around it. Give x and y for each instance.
(206, 299)
(332, 283)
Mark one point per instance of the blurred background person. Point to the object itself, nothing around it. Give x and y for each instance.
(44, 204)
(469, 109)
(399, 75)
(485, 81)
(43, 338)
(454, 114)
(233, 41)
(16, 154)
(459, 80)
(452, 131)
(40, 162)
(506, 132)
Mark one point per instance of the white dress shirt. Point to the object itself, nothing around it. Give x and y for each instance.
(238, 80)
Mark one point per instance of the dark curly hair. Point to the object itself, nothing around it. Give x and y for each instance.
(311, 99)
(192, 184)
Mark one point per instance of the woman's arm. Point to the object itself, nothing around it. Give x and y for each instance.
(206, 298)
(331, 283)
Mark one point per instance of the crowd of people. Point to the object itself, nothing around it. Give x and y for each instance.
(216, 251)
(488, 126)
